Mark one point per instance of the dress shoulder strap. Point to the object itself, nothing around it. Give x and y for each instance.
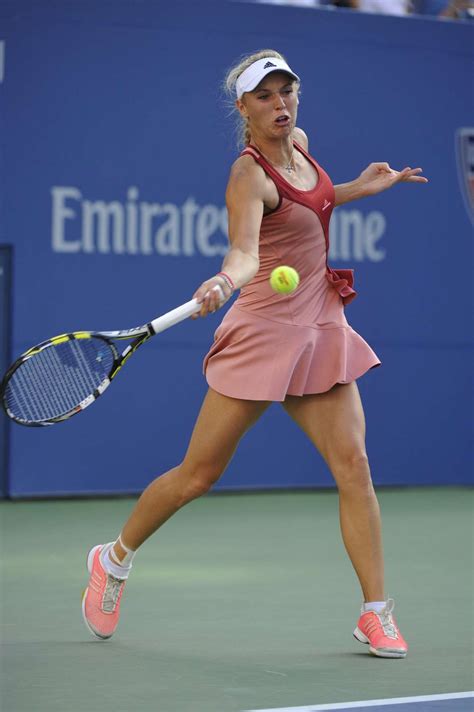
(283, 187)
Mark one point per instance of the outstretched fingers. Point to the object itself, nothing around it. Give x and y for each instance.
(412, 175)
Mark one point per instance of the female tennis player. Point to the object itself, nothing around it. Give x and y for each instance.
(296, 349)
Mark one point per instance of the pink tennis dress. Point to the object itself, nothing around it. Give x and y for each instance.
(271, 345)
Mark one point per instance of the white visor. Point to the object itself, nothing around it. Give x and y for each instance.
(253, 75)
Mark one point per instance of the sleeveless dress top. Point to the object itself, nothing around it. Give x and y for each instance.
(272, 345)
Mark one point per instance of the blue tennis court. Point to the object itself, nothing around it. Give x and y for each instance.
(225, 625)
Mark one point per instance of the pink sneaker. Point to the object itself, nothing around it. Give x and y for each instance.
(101, 599)
(380, 631)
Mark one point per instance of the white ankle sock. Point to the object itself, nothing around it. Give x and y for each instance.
(376, 606)
(110, 562)
(126, 562)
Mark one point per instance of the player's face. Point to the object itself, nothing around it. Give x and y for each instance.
(272, 107)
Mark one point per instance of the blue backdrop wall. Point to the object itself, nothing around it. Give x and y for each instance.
(116, 150)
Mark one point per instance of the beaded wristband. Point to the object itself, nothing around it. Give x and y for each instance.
(227, 280)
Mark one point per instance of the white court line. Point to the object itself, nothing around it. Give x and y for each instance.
(371, 703)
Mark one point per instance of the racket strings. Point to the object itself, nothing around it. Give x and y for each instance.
(58, 378)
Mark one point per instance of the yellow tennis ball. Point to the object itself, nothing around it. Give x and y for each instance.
(284, 279)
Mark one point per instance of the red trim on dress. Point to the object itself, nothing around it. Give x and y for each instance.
(320, 200)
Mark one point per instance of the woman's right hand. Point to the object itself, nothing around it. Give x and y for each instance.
(212, 294)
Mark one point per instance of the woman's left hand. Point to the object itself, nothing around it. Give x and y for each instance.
(379, 176)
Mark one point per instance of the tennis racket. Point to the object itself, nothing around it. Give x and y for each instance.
(62, 376)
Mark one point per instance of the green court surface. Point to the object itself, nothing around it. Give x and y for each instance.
(241, 602)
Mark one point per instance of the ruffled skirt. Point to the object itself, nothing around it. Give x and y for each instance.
(254, 358)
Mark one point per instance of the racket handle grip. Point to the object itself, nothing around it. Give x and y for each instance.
(175, 316)
(179, 314)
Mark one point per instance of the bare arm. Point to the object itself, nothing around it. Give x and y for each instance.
(376, 178)
(244, 199)
(245, 204)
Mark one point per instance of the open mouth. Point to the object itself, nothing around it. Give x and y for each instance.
(282, 120)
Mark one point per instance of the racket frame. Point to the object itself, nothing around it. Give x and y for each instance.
(139, 336)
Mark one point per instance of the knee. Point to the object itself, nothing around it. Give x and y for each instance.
(198, 480)
(351, 471)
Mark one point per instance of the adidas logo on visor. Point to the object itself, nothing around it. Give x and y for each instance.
(269, 64)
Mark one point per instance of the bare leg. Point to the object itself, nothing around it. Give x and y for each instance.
(219, 427)
(335, 423)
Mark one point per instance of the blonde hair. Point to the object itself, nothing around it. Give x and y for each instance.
(242, 128)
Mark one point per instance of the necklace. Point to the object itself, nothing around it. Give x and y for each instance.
(290, 166)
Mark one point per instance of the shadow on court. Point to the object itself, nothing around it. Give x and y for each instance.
(241, 602)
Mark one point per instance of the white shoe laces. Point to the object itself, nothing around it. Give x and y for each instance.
(112, 593)
(385, 618)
